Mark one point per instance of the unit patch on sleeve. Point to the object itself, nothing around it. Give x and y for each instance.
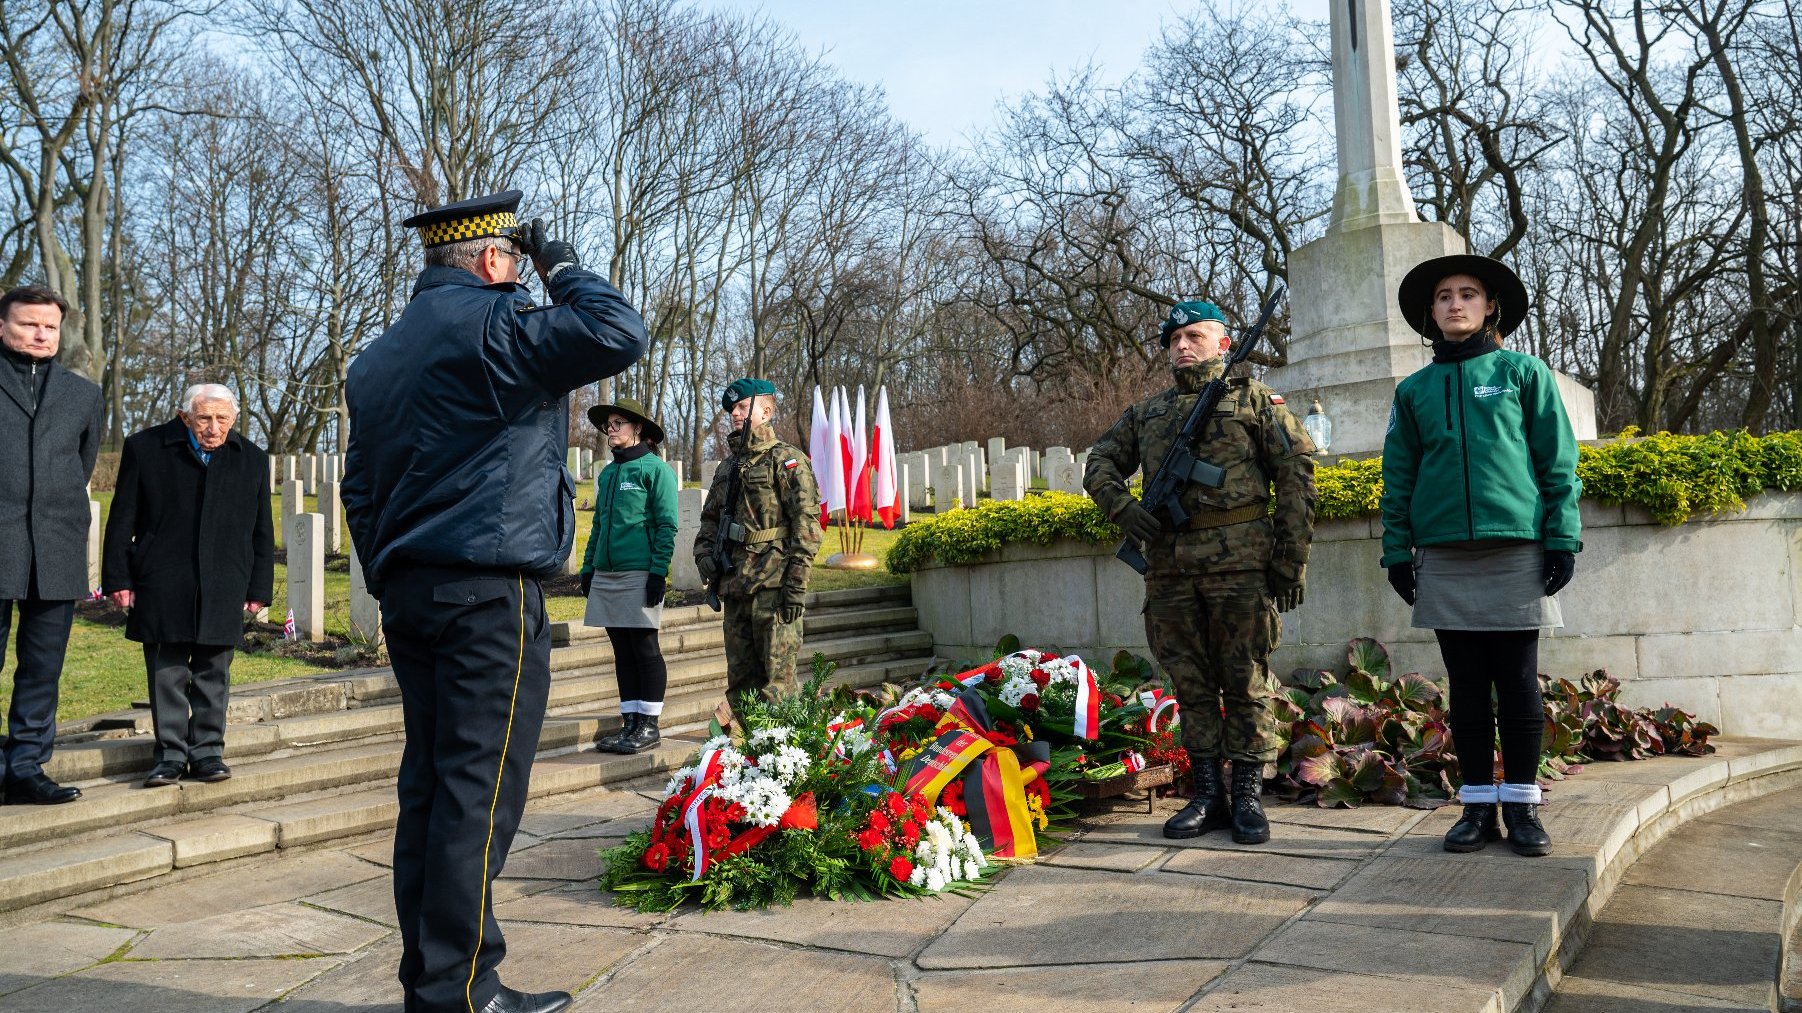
(1277, 399)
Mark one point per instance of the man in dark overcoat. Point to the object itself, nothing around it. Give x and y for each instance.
(190, 547)
(458, 503)
(50, 431)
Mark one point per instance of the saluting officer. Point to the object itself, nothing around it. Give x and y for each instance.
(773, 534)
(1214, 589)
(459, 504)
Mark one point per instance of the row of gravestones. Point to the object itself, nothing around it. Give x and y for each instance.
(945, 478)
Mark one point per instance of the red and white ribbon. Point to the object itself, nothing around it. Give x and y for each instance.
(1157, 702)
(1133, 762)
(696, 839)
(838, 741)
(1088, 700)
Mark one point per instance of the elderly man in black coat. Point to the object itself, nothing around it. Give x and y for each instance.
(190, 548)
(49, 438)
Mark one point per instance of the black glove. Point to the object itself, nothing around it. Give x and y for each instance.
(550, 255)
(709, 572)
(788, 610)
(653, 590)
(1287, 583)
(1138, 523)
(1401, 577)
(1559, 566)
(587, 582)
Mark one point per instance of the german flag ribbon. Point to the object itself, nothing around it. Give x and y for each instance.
(941, 762)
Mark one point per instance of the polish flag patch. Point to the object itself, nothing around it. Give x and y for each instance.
(790, 464)
(1277, 399)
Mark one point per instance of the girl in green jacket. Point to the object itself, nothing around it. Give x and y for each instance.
(1480, 528)
(624, 571)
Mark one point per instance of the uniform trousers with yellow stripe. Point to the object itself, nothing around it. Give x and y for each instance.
(471, 651)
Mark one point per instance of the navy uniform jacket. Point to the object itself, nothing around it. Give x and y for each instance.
(457, 424)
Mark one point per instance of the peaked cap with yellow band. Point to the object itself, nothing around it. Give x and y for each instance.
(475, 218)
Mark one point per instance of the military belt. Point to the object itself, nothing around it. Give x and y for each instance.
(757, 536)
(1221, 518)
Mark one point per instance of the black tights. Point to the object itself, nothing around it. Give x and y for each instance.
(1507, 661)
(638, 664)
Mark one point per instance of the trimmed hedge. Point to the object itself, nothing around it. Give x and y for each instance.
(1673, 477)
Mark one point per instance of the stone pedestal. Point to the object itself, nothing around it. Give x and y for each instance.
(684, 575)
(365, 610)
(304, 536)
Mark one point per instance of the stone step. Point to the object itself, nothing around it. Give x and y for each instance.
(819, 603)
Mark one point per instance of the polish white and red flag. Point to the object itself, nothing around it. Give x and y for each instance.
(1088, 700)
(858, 497)
(882, 459)
(846, 463)
(819, 444)
(829, 466)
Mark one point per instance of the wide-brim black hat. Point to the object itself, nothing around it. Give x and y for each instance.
(630, 409)
(1415, 295)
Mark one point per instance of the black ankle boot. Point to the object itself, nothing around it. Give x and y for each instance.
(1208, 809)
(1249, 824)
(1474, 829)
(611, 743)
(644, 735)
(1525, 832)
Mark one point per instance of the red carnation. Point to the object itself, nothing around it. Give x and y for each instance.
(921, 810)
(901, 868)
(1039, 678)
(656, 857)
(879, 821)
(897, 806)
(1113, 701)
(870, 840)
(910, 833)
(1029, 702)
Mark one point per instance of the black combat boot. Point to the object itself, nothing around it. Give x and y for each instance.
(612, 743)
(1474, 829)
(1208, 809)
(1525, 832)
(1249, 824)
(644, 735)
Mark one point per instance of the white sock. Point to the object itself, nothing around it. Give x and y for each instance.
(1477, 794)
(1522, 793)
(651, 708)
(630, 707)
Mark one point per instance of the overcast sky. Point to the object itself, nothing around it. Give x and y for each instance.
(946, 63)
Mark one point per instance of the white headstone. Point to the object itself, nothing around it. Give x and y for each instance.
(919, 489)
(365, 611)
(996, 447)
(684, 575)
(572, 459)
(973, 477)
(293, 504)
(93, 544)
(331, 510)
(707, 470)
(1008, 481)
(676, 466)
(903, 488)
(949, 490)
(1063, 476)
(290, 468)
(587, 462)
(305, 541)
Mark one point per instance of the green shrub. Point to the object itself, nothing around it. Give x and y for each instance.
(1673, 477)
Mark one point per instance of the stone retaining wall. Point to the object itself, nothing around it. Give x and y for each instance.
(1707, 616)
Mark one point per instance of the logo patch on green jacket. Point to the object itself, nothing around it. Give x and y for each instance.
(1485, 391)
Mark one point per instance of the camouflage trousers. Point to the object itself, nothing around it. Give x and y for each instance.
(1214, 635)
(760, 652)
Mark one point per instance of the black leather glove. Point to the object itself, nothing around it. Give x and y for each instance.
(1287, 582)
(550, 255)
(654, 587)
(709, 572)
(587, 582)
(789, 610)
(1401, 577)
(1559, 566)
(1138, 523)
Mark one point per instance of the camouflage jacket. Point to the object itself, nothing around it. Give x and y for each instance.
(1253, 437)
(779, 510)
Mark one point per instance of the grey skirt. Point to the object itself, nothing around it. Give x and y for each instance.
(617, 599)
(1483, 586)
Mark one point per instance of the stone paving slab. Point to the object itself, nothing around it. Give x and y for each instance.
(884, 928)
(77, 868)
(1293, 839)
(1715, 858)
(279, 930)
(1106, 857)
(573, 858)
(687, 973)
(48, 949)
(573, 904)
(1457, 962)
(1262, 867)
(1727, 948)
(1087, 988)
(1046, 915)
(169, 986)
(1577, 994)
(1376, 819)
(1277, 989)
(543, 958)
(272, 880)
(1520, 901)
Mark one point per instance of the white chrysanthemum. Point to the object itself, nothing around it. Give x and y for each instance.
(1015, 689)
(852, 741)
(1060, 671)
(763, 798)
(1017, 668)
(733, 766)
(942, 700)
(934, 881)
(787, 764)
(972, 871)
(774, 735)
(717, 742)
(918, 876)
(678, 781)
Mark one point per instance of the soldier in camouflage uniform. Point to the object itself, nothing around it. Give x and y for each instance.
(775, 534)
(1214, 589)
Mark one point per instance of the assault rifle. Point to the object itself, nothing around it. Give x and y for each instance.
(729, 532)
(1163, 494)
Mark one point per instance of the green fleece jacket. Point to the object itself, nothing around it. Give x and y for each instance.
(1479, 449)
(634, 514)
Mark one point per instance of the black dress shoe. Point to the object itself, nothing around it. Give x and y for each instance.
(209, 770)
(38, 789)
(164, 774)
(509, 1001)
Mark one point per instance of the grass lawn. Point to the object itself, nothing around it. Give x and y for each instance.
(105, 672)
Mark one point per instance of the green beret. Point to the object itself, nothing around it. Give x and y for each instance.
(745, 387)
(1185, 313)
